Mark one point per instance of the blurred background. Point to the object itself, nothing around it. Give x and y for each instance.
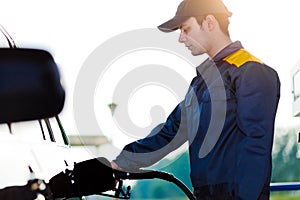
(72, 30)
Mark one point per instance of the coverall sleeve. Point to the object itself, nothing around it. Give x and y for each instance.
(163, 139)
(257, 92)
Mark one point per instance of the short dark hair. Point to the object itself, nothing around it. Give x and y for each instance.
(222, 20)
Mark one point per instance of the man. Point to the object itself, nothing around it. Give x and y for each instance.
(227, 115)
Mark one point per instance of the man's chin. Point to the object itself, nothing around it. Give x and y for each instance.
(197, 53)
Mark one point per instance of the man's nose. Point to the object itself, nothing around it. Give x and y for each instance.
(182, 37)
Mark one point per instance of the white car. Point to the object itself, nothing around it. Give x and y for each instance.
(36, 161)
(33, 144)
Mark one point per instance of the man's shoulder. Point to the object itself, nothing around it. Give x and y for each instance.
(241, 57)
(243, 67)
(242, 61)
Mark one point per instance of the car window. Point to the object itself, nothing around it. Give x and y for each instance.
(57, 133)
(30, 129)
(3, 41)
(47, 129)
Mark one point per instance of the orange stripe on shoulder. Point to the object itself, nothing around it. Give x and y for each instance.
(240, 57)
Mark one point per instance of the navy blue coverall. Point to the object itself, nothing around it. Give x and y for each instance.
(228, 119)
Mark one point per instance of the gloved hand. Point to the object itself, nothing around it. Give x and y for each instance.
(89, 177)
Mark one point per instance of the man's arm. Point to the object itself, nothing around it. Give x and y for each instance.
(257, 91)
(162, 140)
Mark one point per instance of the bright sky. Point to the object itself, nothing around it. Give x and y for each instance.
(72, 30)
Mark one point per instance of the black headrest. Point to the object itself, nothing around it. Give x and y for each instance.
(30, 86)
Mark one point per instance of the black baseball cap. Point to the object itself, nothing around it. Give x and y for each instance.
(194, 8)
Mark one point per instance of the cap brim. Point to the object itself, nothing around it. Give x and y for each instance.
(173, 24)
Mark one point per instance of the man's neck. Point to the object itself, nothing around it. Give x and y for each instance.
(219, 43)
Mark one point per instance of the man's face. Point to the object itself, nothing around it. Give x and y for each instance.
(193, 36)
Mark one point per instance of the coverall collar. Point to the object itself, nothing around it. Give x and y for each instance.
(231, 48)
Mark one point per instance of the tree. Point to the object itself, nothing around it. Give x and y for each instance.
(286, 155)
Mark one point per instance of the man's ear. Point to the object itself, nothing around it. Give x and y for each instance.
(210, 22)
